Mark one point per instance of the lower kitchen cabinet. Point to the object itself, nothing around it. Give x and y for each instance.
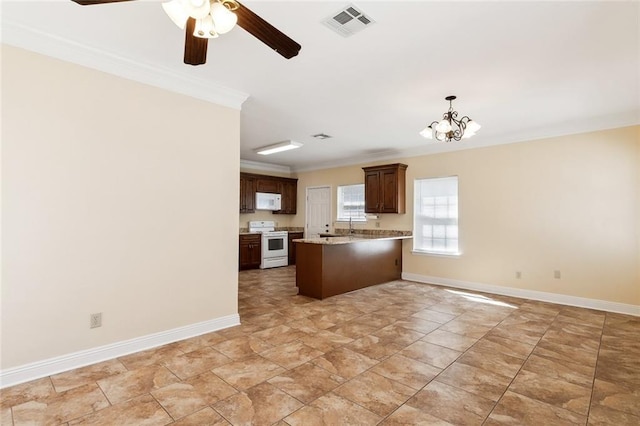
(292, 246)
(250, 251)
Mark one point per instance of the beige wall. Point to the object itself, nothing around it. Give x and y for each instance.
(111, 203)
(569, 204)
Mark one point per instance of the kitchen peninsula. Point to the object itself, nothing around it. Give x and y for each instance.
(335, 265)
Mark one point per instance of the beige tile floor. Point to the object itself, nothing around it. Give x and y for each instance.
(396, 354)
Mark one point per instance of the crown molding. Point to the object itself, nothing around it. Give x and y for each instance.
(267, 167)
(628, 119)
(22, 36)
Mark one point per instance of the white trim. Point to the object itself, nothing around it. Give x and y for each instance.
(562, 299)
(257, 165)
(47, 367)
(67, 50)
(435, 253)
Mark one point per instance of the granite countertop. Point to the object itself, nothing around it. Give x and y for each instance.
(348, 239)
(245, 231)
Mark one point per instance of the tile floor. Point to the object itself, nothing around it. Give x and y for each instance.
(396, 354)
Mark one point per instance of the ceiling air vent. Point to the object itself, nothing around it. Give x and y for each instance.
(348, 21)
(321, 136)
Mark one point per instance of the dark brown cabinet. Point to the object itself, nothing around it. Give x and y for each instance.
(384, 188)
(288, 188)
(268, 184)
(247, 193)
(252, 183)
(250, 251)
(292, 246)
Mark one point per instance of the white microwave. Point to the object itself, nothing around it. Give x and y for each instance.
(266, 201)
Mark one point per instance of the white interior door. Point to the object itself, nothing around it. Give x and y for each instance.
(318, 217)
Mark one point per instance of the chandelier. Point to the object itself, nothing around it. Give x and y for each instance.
(212, 17)
(450, 128)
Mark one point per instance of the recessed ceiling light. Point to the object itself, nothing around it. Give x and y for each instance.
(321, 136)
(278, 147)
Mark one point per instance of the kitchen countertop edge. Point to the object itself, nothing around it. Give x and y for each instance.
(350, 239)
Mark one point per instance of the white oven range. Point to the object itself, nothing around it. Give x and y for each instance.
(275, 244)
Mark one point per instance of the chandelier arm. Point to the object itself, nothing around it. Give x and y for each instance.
(457, 135)
(454, 116)
(457, 127)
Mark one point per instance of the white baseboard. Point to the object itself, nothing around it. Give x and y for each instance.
(48, 367)
(562, 299)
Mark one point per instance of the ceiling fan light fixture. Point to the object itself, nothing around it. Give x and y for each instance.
(205, 28)
(217, 16)
(197, 9)
(224, 19)
(176, 12)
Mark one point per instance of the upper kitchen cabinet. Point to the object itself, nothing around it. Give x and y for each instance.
(384, 188)
(251, 183)
(289, 191)
(268, 184)
(247, 193)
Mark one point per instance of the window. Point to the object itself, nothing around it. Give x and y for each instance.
(351, 203)
(435, 215)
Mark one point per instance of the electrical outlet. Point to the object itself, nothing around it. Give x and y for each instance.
(377, 224)
(518, 274)
(95, 320)
(556, 274)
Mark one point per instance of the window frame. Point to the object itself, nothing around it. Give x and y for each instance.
(419, 219)
(340, 205)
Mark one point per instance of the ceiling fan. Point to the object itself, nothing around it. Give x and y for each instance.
(205, 19)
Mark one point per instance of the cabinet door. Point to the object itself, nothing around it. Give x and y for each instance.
(385, 188)
(292, 195)
(289, 190)
(268, 185)
(371, 192)
(249, 251)
(388, 191)
(256, 253)
(247, 194)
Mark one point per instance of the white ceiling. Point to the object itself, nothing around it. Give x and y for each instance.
(524, 70)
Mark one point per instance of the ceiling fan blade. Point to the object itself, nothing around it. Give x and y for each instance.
(266, 33)
(91, 2)
(195, 48)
